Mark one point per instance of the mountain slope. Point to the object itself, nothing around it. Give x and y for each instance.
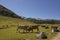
(6, 12)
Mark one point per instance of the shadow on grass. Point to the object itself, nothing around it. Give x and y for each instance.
(4, 28)
(1, 28)
(26, 32)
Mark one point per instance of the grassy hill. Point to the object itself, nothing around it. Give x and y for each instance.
(7, 12)
(4, 21)
(9, 33)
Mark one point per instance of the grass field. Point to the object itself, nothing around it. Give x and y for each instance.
(9, 33)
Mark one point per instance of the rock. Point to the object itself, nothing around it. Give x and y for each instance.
(43, 35)
(38, 35)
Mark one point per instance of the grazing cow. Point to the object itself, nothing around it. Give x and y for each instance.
(28, 28)
(55, 28)
(33, 27)
(22, 27)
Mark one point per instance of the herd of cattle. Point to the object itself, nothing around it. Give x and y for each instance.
(39, 34)
(28, 28)
(32, 27)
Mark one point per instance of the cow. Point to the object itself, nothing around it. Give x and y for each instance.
(30, 28)
(23, 27)
(55, 28)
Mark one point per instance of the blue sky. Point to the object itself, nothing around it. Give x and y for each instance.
(45, 9)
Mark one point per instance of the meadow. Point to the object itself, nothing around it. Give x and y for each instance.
(8, 27)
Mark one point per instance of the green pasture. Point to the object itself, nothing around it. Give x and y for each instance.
(11, 34)
(9, 25)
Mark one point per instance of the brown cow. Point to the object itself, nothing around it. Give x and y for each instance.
(33, 27)
(22, 27)
(55, 28)
(28, 28)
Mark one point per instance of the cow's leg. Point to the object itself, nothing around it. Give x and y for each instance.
(23, 31)
(26, 30)
(17, 29)
(29, 30)
(32, 30)
(37, 29)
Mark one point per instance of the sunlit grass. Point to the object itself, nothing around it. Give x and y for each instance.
(9, 33)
